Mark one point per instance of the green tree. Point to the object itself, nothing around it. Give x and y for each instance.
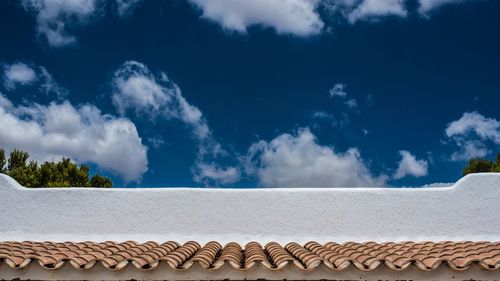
(63, 174)
(2, 161)
(100, 181)
(26, 175)
(17, 159)
(480, 165)
(49, 174)
(496, 169)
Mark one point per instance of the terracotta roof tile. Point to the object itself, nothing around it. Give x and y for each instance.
(367, 256)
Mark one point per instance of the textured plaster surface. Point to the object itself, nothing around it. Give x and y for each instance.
(468, 210)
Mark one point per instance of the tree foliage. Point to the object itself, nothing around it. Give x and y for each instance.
(480, 165)
(49, 174)
(98, 180)
(2, 161)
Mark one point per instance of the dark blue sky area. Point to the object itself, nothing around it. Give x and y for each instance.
(410, 77)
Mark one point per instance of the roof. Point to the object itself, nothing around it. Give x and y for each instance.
(424, 256)
(212, 218)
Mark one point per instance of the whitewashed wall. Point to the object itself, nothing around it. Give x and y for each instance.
(468, 210)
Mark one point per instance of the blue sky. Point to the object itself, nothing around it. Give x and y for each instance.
(253, 93)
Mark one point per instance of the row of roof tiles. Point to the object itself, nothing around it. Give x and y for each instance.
(212, 256)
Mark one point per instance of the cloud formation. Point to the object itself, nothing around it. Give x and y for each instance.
(369, 9)
(55, 17)
(137, 90)
(296, 17)
(22, 74)
(472, 133)
(17, 74)
(409, 165)
(297, 160)
(82, 133)
(304, 17)
(58, 19)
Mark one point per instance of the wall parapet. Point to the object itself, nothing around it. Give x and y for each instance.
(468, 210)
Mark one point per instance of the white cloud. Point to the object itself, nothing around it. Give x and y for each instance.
(486, 128)
(296, 17)
(472, 133)
(18, 73)
(409, 165)
(427, 6)
(297, 160)
(23, 74)
(137, 89)
(57, 19)
(369, 9)
(54, 17)
(213, 172)
(239, 15)
(82, 133)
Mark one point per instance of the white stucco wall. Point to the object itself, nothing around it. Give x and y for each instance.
(468, 210)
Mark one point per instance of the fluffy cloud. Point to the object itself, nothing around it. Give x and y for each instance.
(377, 8)
(57, 19)
(297, 160)
(83, 133)
(23, 74)
(472, 133)
(410, 166)
(302, 17)
(136, 89)
(18, 73)
(297, 17)
(54, 17)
